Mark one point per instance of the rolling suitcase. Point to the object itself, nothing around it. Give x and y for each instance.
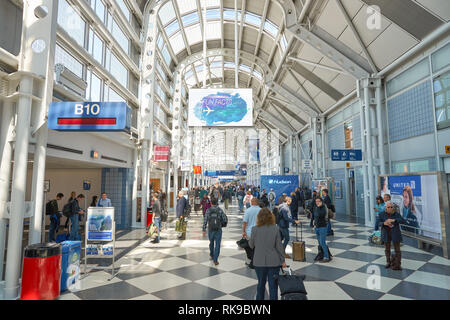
(291, 286)
(299, 247)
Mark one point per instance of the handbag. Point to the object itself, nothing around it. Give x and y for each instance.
(152, 230)
(181, 225)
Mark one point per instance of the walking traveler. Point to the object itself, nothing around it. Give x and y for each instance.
(157, 216)
(285, 220)
(250, 221)
(52, 210)
(271, 197)
(180, 210)
(389, 221)
(205, 203)
(330, 206)
(248, 197)
(215, 219)
(294, 207)
(379, 207)
(268, 255)
(320, 222)
(227, 197)
(241, 195)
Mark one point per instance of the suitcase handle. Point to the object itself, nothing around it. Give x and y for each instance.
(301, 232)
(288, 268)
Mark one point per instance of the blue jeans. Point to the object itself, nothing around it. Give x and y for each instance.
(321, 238)
(329, 228)
(215, 238)
(284, 232)
(241, 203)
(54, 225)
(377, 222)
(248, 205)
(74, 236)
(157, 221)
(265, 274)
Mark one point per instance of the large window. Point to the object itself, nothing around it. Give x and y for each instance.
(121, 38)
(119, 71)
(442, 100)
(96, 47)
(348, 130)
(65, 58)
(71, 22)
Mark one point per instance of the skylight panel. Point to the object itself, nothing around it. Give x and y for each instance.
(190, 18)
(194, 34)
(212, 14)
(283, 43)
(186, 6)
(177, 42)
(253, 19)
(213, 30)
(271, 28)
(245, 68)
(229, 14)
(172, 28)
(167, 13)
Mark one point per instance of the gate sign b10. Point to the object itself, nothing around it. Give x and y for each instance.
(89, 116)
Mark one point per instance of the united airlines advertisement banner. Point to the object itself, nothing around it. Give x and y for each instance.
(280, 184)
(220, 107)
(417, 198)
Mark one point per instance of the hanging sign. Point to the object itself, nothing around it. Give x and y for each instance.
(197, 169)
(185, 165)
(346, 155)
(161, 153)
(89, 116)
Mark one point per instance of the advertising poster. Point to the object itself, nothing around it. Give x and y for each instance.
(99, 250)
(161, 153)
(417, 198)
(280, 184)
(100, 223)
(220, 107)
(253, 150)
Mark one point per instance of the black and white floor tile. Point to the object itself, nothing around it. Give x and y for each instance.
(181, 269)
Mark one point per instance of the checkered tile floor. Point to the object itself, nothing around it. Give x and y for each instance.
(181, 270)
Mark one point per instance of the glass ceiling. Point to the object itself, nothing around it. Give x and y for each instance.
(190, 21)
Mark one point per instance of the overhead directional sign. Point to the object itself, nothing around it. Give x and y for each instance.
(89, 116)
(346, 155)
(225, 173)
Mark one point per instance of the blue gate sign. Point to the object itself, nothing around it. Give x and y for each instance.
(346, 155)
(89, 116)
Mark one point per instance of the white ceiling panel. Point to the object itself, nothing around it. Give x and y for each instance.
(186, 6)
(352, 7)
(390, 45)
(350, 41)
(440, 8)
(332, 20)
(312, 89)
(344, 84)
(309, 53)
(367, 35)
(324, 101)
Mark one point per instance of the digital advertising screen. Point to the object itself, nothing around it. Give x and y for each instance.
(417, 198)
(220, 107)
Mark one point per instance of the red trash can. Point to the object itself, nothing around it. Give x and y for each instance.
(41, 272)
(149, 216)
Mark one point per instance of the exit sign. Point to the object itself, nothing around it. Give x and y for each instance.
(89, 116)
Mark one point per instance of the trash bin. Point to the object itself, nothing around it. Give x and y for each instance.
(70, 264)
(41, 272)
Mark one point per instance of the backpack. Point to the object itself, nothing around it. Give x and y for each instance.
(49, 208)
(214, 223)
(67, 209)
(276, 212)
(187, 209)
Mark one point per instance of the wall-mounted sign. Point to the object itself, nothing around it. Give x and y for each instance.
(89, 116)
(197, 169)
(94, 154)
(346, 155)
(46, 185)
(306, 165)
(86, 185)
(447, 149)
(161, 153)
(185, 165)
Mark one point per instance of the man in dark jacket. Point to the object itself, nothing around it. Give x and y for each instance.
(327, 202)
(285, 220)
(181, 207)
(214, 219)
(390, 231)
(74, 218)
(54, 213)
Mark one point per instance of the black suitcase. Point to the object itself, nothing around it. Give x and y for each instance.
(291, 286)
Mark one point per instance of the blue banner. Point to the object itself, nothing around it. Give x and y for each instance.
(398, 183)
(280, 184)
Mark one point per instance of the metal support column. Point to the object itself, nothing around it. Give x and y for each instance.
(135, 189)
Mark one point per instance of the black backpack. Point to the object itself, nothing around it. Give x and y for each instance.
(49, 208)
(277, 214)
(67, 209)
(214, 223)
